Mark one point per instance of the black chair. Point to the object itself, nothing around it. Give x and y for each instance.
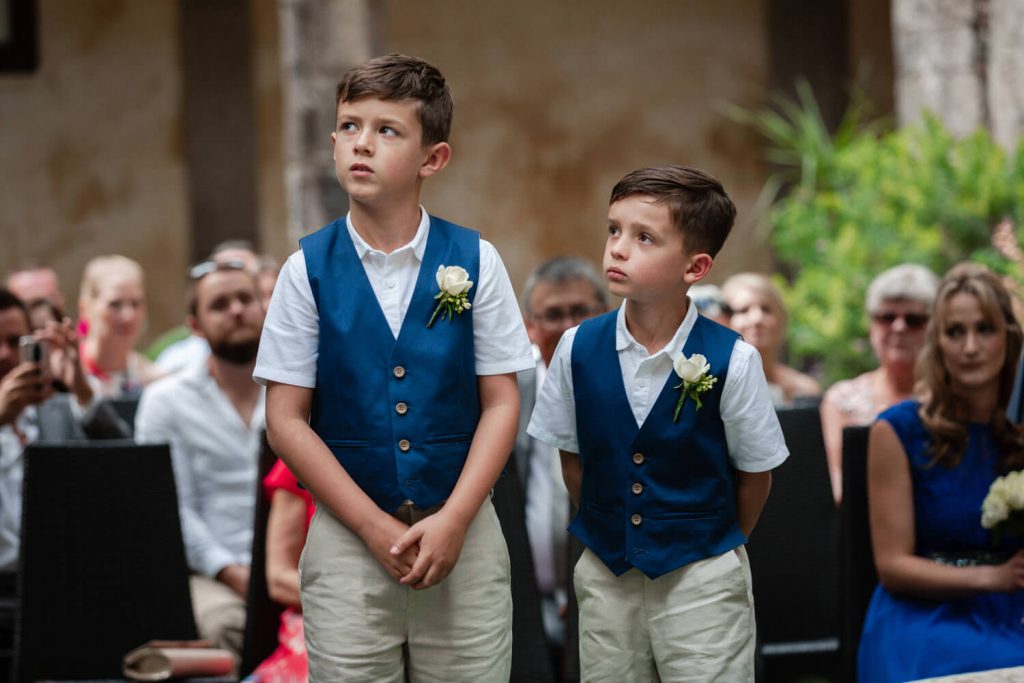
(857, 561)
(262, 615)
(126, 409)
(102, 560)
(530, 658)
(794, 559)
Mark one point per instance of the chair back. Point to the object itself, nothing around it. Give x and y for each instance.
(857, 560)
(262, 614)
(794, 554)
(102, 560)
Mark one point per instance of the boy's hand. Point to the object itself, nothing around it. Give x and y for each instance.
(382, 537)
(440, 538)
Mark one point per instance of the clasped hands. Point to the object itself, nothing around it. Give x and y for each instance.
(421, 555)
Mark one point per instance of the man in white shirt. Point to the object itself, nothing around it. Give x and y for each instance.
(212, 415)
(560, 293)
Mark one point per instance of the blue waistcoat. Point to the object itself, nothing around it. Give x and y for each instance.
(398, 415)
(660, 496)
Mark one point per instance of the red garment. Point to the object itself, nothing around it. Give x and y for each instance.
(288, 663)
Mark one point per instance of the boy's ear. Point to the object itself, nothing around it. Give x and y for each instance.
(700, 266)
(438, 156)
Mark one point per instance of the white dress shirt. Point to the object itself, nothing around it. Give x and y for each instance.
(752, 430)
(291, 332)
(216, 458)
(12, 472)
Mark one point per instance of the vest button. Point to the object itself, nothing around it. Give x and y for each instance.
(399, 371)
(401, 408)
(638, 458)
(638, 488)
(636, 519)
(404, 445)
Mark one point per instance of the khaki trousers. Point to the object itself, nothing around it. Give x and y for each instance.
(360, 622)
(219, 612)
(693, 624)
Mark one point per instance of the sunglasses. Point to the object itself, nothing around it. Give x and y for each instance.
(201, 270)
(913, 321)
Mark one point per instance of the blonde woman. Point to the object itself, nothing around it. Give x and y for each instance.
(949, 600)
(756, 311)
(112, 312)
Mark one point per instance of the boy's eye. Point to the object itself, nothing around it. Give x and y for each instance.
(613, 230)
(388, 130)
(647, 239)
(347, 126)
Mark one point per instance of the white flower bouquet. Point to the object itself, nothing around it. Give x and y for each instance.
(1002, 511)
(695, 373)
(453, 284)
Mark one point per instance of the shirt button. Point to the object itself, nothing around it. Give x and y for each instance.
(636, 519)
(398, 372)
(638, 458)
(638, 488)
(390, 284)
(401, 408)
(404, 445)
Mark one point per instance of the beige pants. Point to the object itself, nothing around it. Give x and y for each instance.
(360, 622)
(693, 624)
(219, 612)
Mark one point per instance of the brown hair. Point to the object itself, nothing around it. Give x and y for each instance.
(697, 203)
(398, 77)
(943, 411)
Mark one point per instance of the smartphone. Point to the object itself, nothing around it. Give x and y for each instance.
(31, 350)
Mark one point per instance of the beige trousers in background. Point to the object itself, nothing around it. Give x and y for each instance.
(693, 624)
(357, 617)
(219, 612)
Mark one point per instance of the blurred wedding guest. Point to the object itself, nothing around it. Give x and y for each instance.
(756, 311)
(561, 293)
(212, 415)
(43, 312)
(266, 276)
(188, 348)
(950, 598)
(31, 411)
(291, 510)
(897, 302)
(34, 283)
(112, 311)
(709, 302)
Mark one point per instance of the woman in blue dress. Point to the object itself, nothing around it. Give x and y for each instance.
(948, 600)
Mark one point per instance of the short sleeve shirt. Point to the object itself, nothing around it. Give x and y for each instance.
(752, 430)
(291, 332)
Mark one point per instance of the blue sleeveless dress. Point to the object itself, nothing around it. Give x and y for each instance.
(909, 638)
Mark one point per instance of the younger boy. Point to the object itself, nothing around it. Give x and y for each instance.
(670, 471)
(397, 409)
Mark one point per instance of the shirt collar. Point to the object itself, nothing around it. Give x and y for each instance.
(418, 244)
(623, 339)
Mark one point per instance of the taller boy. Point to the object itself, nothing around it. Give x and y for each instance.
(398, 424)
(669, 469)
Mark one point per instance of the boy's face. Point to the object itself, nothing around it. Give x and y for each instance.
(644, 257)
(379, 155)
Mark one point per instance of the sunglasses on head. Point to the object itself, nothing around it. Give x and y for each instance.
(913, 321)
(201, 270)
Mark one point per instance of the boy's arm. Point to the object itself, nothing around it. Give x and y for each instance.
(572, 474)
(751, 494)
(296, 443)
(441, 535)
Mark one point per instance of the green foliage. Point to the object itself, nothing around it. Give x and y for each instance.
(862, 200)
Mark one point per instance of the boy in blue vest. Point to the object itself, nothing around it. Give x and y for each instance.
(667, 435)
(389, 351)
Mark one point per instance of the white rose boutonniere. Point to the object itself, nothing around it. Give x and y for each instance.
(1002, 511)
(454, 283)
(695, 373)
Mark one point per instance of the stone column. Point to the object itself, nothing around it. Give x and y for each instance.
(936, 49)
(320, 40)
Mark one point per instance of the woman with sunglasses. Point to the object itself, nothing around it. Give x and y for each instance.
(897, 302)
(950, 599)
